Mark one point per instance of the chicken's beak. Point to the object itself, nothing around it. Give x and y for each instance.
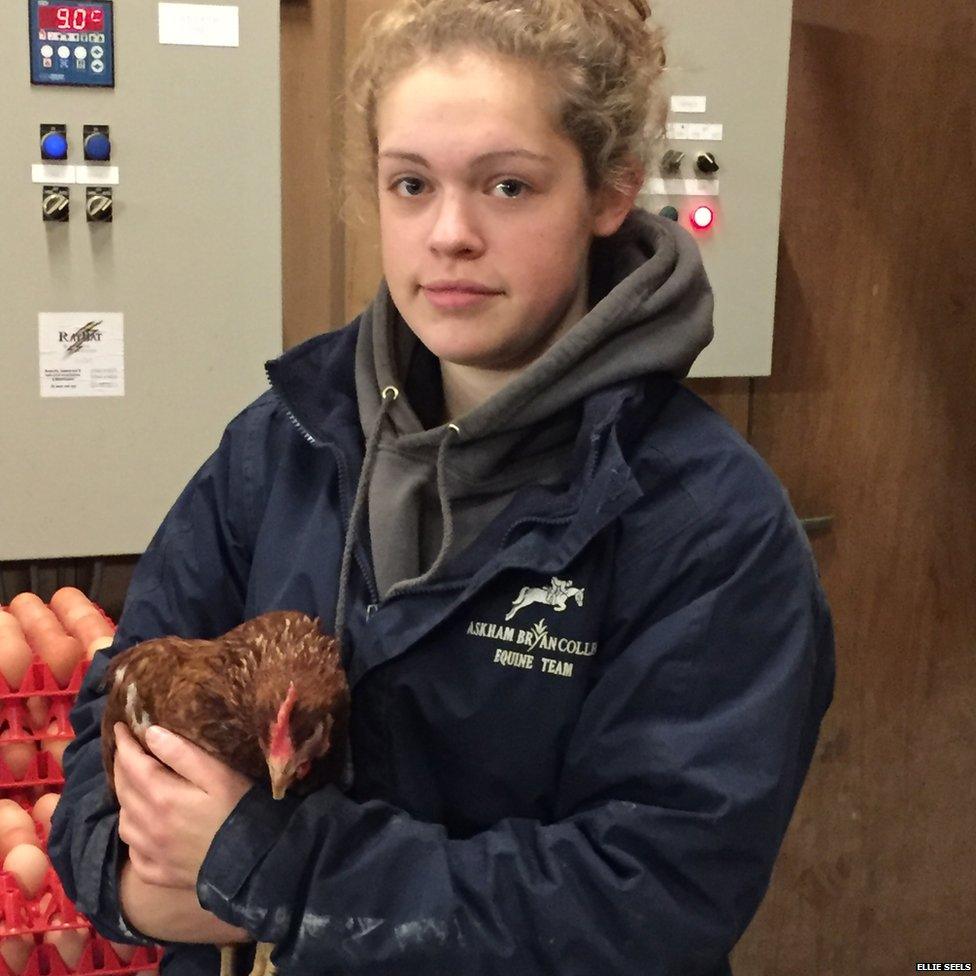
(280, 781)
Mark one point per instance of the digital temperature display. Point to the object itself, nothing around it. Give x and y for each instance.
(72, 43)
(68, 18)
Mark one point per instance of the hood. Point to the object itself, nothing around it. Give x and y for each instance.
(430, 486)
(650, 311)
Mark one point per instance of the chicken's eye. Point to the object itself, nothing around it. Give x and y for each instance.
(303, 768)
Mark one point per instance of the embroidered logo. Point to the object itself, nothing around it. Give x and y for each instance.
(554, 595)
(536, 648)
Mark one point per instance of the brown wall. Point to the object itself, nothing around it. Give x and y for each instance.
(869, 415)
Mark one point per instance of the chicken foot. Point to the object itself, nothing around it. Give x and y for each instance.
(263, 966)
(227, 960)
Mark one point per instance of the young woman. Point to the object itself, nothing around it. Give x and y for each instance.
(587, 643)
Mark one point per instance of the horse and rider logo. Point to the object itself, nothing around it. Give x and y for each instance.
(555, 595)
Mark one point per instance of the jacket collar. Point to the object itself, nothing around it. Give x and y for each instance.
(316, 385)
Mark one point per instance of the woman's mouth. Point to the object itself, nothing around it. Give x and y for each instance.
(456, 298)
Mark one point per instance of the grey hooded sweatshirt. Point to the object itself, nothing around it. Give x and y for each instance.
(430, 487)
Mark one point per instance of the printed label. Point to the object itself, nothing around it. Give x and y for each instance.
(81, 354)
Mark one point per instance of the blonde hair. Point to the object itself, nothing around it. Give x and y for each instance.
(602, 59)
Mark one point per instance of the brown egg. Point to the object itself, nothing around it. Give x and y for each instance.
(70, 943)
(61, 654)
(69, 617)
(44, 809)
(53, 746)
(38, 707)
(17, 837)
(29, 866)
(16, 951)
(123, 951)
(16, 755)
(15, 652)
(12, 814)
(28, 607)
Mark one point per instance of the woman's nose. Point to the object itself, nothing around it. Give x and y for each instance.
(455, 226)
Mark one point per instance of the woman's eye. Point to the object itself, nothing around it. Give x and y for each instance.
(407, 179)
(512, 182)
(517, 187)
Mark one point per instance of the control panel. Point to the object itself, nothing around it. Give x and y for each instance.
(719, 172)
(141, 265)
(72, 43)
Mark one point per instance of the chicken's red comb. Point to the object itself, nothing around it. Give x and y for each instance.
(281, 744)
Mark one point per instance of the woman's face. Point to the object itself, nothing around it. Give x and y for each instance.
(474, 184)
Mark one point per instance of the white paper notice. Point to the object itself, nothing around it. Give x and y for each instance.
(81, 354)
(97, 175)
(697, 131)
(56, 175)
(689, 103)
(205, 24)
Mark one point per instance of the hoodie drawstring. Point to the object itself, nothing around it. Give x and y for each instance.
(446, 517)
(389, 395)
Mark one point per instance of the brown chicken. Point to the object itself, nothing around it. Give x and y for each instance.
(269, 698)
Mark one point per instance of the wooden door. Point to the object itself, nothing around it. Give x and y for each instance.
(870, 416)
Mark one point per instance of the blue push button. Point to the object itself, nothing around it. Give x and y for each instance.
(54, 145)
(98, 146)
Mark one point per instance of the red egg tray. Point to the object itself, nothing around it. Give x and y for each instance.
(38, 680)
(43, 770)
(16, 721)
(23, 797)
(97, 959)
(19, 914)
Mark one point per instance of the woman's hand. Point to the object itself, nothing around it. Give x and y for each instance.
(172, 804)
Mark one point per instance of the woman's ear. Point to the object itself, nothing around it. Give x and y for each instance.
(612, 204)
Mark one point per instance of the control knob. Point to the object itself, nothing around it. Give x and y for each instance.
(54, 203)
(98, 204)
(672, 160)
(706, 163)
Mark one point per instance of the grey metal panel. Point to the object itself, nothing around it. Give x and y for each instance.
(736, 53)
(192, 259)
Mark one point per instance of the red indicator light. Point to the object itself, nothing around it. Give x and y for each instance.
(702, 217)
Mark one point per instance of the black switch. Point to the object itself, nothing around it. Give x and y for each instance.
(671, 161)
(98, 204)
(706, 163)
(54, 203)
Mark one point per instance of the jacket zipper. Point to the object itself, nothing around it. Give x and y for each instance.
(343, 487)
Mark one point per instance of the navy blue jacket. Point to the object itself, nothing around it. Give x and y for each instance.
(576, 752)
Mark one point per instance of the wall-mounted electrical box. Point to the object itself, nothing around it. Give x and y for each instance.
(720, 172)
(140, 257)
